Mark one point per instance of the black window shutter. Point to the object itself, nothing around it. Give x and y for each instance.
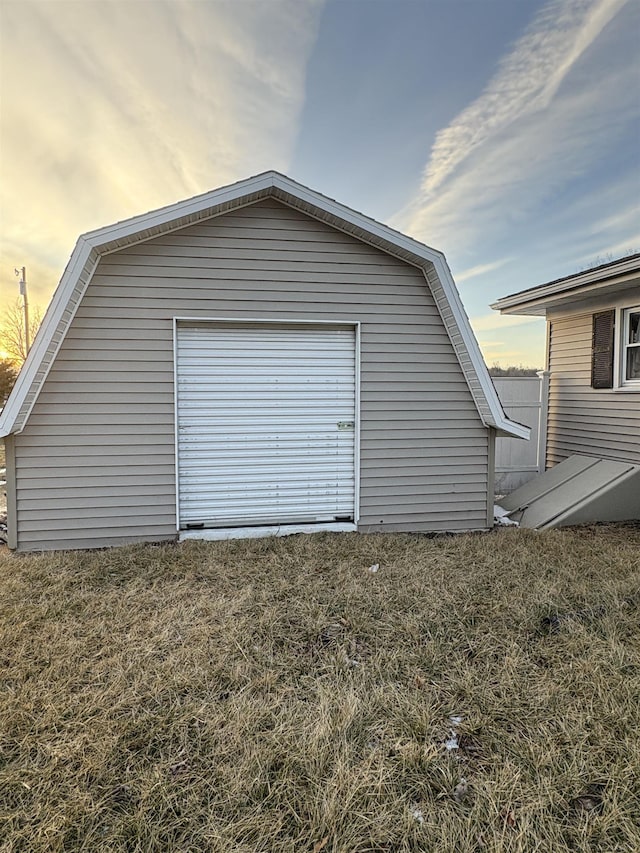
(602, 349)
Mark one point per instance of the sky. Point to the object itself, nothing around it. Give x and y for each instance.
(505, 133)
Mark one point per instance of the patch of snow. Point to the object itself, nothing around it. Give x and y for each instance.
(416, 814)
(452, 741)
(501, 517)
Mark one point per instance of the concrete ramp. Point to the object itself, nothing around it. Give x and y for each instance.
(580, 490)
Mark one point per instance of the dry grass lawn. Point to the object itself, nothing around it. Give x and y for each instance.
(276, 695)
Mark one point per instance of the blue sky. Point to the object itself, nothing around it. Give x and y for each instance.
(504, 132)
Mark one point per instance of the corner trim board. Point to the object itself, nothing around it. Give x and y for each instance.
(12, 514)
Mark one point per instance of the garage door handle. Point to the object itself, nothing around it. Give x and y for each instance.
(346, 425)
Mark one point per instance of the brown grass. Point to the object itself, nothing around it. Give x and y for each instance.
(275, 695)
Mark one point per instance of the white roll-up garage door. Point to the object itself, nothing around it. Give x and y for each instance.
(266, 424)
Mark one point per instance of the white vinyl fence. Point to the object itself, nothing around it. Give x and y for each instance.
(524, 399)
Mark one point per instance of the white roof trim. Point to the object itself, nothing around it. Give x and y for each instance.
(535, 300)
(92, 245)
(501, 422)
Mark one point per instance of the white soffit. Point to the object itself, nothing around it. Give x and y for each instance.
(91, 246)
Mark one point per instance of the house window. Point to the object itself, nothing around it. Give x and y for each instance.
(615, 349)
(630, 347)
(602, 349)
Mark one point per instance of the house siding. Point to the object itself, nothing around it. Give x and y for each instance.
(95, 464)
(582, 419)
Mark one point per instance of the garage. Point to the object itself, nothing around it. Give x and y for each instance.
(266, 424)
(256, 360)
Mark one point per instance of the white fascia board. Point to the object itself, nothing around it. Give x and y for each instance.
(353, 217)
(52, 318)
(521, 308)
(171, 213)
(501, 422)
(536, 300)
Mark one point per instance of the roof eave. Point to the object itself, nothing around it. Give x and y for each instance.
(512, 429)
(537, 300)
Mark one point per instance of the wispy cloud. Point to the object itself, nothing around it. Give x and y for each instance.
(508, 357)
(526, 82)
(495, 321)
(535, 128)
(623, 223)
(630, 246)
(629, 216)
(113, 108)
(480, 269)
(509, 340)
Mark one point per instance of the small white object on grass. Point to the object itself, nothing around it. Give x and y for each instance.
(501, 516)
(374, 568)
(452, 741)
(416, 814)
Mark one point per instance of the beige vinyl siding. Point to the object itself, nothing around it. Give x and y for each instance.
(581, 419)
(55, 342)
(96, 459)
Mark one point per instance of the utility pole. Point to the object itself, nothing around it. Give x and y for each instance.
(23, 292)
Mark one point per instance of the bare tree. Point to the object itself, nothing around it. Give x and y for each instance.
(8, 376)
(12, 337)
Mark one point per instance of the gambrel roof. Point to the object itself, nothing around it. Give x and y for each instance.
(91, 246)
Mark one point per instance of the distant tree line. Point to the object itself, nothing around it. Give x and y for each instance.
(496, 370)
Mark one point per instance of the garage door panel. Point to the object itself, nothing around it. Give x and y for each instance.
(325, 491)
(318, 363)
(199, 485)
(341, 385)
(243, 400)
(265, 424)
(311, 424)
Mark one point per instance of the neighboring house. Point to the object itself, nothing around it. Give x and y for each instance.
(256, 359)
(593, 362)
